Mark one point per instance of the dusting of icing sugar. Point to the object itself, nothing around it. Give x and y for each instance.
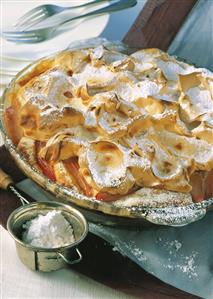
(179, 261)
(53, 114)
(165, 114)
(97, 52)
(122, 246)
(172, 94)
(177, 215)
(56, 83)
(104, 174)
(186, 264)
(90, 119)
(172, 246)
(201, 99)
(154, 198)
(49, 116)
(176, 244)
(132, 248)
(91, 73)
(136, 251)
(126, 75)
(201, 150)
(171, 69)
(141, 67)
(136, 161)
(119, 62)
(39, 101)
(189, 265)
(127, 92)
(113, 123)
(78, 135)
(131, 92)
(148, 88)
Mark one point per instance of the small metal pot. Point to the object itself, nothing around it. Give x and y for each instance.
(47, 259)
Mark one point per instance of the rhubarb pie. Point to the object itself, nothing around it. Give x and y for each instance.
(115, 127)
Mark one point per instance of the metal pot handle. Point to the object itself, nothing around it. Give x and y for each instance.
(69, 261)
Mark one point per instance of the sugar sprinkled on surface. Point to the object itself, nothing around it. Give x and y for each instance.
(48, 231)
(178, 261)
(136, 251)
(132, 248)
(188, 266)
(173, 245)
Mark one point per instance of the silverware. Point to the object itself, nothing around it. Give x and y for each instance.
(39, 13)
(38, 35)
(6, 183)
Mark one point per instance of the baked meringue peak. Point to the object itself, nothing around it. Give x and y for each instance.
(106, 163)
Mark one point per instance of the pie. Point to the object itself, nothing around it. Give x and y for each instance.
(114, 126)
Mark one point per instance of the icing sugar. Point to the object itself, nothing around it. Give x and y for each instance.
(48, 231)
(200, 99)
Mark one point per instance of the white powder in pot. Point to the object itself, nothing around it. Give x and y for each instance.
(48, 231)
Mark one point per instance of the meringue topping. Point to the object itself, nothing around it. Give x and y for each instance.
(124, 121)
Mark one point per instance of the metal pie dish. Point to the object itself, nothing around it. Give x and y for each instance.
(95, 210)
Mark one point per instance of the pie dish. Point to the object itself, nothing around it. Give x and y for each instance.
(115, 132)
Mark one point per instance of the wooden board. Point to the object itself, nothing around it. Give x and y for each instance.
(158, 23)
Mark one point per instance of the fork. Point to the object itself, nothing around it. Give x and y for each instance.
(41, 34)
(40, 13)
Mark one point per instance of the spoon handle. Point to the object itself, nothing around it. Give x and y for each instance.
(5, 180)
(7, 183)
